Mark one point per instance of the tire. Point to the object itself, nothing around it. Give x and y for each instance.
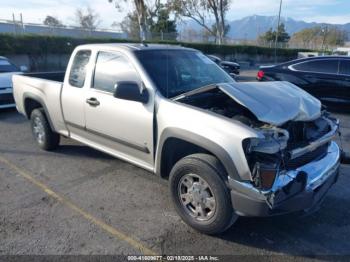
(46, 138)
(203, 177)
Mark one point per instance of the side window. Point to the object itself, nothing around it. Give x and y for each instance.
(344, 68)
(78, 70)
(110, 68)
(320, 66)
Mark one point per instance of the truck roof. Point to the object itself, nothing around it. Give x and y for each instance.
(137, 46)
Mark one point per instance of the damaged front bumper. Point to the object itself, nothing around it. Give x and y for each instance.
(293, 190)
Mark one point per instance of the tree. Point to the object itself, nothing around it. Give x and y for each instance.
(219, 8)
(143, 11)
(267, 38)
(52, 21)
(147, 17)
(305, 38)
(87, 19)
(214, 29)
(332, 36)
(270, 36)
(282, 37)
(164, 25)
(130, 25)
(201, 11)
(319, 37)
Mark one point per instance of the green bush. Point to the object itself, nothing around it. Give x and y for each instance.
(35, 45)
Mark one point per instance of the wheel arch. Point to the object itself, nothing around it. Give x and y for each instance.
(31, 102)
(176, 143)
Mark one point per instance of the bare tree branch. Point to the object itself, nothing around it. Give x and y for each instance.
(87, 19)
(144, 9)
(201, 10)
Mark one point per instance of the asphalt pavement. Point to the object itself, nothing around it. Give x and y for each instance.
(77, 200)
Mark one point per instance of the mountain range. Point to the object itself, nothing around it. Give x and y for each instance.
(251, 27)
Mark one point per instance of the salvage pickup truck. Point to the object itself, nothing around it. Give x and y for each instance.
(228, 149)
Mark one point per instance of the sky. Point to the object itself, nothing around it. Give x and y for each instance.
(35, 11)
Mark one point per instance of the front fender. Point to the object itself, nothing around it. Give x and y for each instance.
(203, 142)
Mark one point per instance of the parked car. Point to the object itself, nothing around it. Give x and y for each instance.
(228, 149)
(325, 77)
(230, 67)
(7, 70)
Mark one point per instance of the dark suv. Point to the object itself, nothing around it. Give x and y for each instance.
(326, 77)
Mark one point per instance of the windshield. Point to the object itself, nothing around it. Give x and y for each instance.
(6, 66)
(175, 72)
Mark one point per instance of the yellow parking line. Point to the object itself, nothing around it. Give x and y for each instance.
(111, 230)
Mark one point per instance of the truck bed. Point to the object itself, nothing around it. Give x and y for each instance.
(57, 76)
(43, 87)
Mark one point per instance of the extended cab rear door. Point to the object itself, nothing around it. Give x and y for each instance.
(122, 127)
(73, 92)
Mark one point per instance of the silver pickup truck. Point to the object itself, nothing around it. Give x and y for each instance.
(228, 149)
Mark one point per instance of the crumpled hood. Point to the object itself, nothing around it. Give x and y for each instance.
(274, 102)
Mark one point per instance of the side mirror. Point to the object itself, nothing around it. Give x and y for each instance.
(129, 90)
(23, 68)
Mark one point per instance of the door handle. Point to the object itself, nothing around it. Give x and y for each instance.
(93, 101)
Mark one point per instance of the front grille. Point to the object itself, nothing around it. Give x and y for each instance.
(318, 153)
(6, 99)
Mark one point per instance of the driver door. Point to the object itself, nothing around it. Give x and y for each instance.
(122, 127)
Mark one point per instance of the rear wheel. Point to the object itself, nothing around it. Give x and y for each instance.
(200, 194)
(42, 132)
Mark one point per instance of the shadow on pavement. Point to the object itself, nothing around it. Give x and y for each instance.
(62, 151)
(11, 116)
(322, 234)
(81, 151)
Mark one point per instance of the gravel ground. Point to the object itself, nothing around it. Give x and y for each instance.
(100, 205)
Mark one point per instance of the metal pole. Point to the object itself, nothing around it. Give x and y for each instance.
(22, 22)
(14, 23)
(278, 25)
(324, 31)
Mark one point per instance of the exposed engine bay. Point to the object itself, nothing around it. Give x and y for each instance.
(281, 147)
(218, 102)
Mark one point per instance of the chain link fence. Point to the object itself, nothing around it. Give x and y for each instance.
(190, 36)
(18, 27)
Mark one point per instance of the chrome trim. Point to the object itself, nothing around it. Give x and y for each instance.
(318, 172)
(315, 144)
(291, 67)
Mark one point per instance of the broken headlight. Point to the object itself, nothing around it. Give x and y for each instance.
(272, 141)
(264, 155)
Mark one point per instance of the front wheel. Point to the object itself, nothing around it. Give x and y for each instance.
(42, 132)
(200, 195)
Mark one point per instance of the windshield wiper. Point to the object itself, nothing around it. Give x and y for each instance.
(195, 91)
